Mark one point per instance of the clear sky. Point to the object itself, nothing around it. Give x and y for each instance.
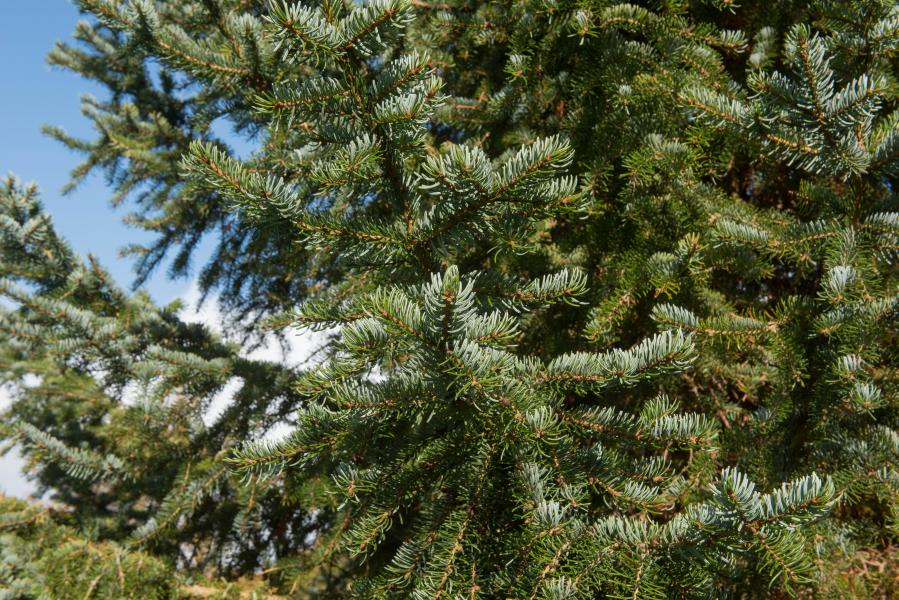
(33, 94)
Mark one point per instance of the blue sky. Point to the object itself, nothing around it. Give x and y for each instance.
(33, 94)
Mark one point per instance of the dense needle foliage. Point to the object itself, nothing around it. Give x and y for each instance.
(609, 292)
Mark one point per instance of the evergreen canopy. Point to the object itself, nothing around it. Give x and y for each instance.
(610, 293)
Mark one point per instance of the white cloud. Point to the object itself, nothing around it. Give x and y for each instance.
(12, 481)
(221, 400)
(302, 348)
(301, 344)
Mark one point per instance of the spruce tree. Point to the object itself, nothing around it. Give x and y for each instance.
(610, 292)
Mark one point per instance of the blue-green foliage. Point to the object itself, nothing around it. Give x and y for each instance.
(611, 291)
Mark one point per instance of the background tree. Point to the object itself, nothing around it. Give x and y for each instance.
(601, 272)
